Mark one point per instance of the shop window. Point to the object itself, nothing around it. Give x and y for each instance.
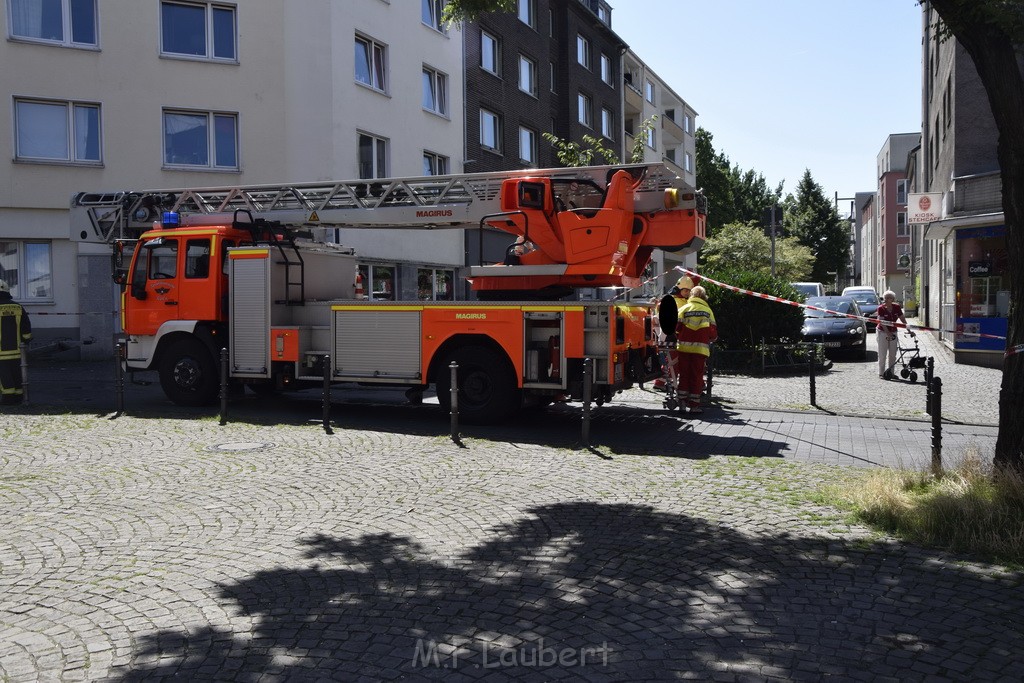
(435, 284)
(982, 274)
(379, 281)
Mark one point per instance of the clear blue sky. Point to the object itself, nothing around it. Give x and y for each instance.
(785, 85)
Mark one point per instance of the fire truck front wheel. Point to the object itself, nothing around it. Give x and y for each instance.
(188, 374)
(487, 385)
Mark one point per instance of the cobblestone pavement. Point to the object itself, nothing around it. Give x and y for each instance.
(161, 544)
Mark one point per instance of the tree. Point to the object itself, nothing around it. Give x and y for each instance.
(573, 154)
(812, 218)
(458, 11)
(734, 195)
(992, 33)
(745, 247)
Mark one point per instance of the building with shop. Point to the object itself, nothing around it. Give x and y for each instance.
(963, 264)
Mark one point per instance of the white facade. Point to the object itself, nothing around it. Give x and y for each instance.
(275, 84)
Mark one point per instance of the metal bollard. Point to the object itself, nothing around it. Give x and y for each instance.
(812, 352)
(929, 372)
(327, 395)
(588, 392)
(120, 353)
(936, 404)
(453, 368)
(223, 387)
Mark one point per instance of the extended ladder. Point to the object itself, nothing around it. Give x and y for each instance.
(426, 202)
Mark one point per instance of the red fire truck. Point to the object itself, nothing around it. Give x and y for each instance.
(242, 269)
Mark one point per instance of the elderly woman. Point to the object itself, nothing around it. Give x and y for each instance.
(889, 313)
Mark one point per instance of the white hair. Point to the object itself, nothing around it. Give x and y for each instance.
(888, 293)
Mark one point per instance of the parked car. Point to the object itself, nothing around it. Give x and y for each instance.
(834, 330)
(868, 300)
(809, 288)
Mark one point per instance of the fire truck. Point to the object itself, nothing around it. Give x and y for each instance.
(248, 269)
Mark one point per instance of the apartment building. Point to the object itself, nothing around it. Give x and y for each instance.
(126, 94)
(964, 264)
(552, 66)
(667, 125)
(891, 232)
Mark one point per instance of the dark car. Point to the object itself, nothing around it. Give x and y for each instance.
(867, 299)
(838, 333)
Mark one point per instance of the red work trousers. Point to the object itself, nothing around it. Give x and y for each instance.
(691, 376)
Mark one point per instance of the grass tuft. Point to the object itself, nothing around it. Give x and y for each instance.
(968, 509)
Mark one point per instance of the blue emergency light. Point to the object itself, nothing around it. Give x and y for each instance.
(170, 220)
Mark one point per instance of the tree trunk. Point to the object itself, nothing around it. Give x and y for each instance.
(999, 68)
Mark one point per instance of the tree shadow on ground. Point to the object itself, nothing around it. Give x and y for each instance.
(602, 592)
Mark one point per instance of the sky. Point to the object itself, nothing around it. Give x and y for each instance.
(788, 85)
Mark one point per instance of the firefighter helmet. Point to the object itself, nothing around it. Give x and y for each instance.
(685, 282)
(4, 287)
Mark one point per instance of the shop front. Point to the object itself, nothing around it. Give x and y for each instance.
(980, 296)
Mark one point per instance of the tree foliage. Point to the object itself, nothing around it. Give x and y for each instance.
(458, 11)
(992, 33)
(734, 195)
(813, 219)
(745, 247)
(574, 154)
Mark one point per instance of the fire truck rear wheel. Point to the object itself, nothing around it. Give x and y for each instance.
(487, 385)
(188, 374)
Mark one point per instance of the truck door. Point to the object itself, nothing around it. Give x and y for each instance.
(154, 288)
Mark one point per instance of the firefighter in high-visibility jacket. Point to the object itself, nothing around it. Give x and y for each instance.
(14, 330)
(694, 333)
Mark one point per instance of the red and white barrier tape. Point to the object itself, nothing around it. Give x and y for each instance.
(697, 277)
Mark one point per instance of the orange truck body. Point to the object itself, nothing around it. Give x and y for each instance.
(290, 315)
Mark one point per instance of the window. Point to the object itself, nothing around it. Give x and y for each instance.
(583, 51)
(201, 139)
(687, 124)
(197, 30)
(649, 91)
(527, 75)
(197, 259)
(606, 69)
(528, 12)
(379, 281)
(435, 91)
(901, 191)
(901, 250)
(27, 268)
(604, 14)
(688, 162)
(670, 154)
(66, 22)
(527, 145)
(651, 138)
(432, 10)
(57, 131)
(435, 284)
(163, 260)
(434, 164)
(373, 156)
(371, 64)
(489, 55)
(585, 107)
(551, 69)
(902, 228)
(490, 130)
(606, 123)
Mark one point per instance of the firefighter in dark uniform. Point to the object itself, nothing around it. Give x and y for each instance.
(15, 329)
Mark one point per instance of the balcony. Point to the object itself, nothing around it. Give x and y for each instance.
(634, 98)
(672, 131)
